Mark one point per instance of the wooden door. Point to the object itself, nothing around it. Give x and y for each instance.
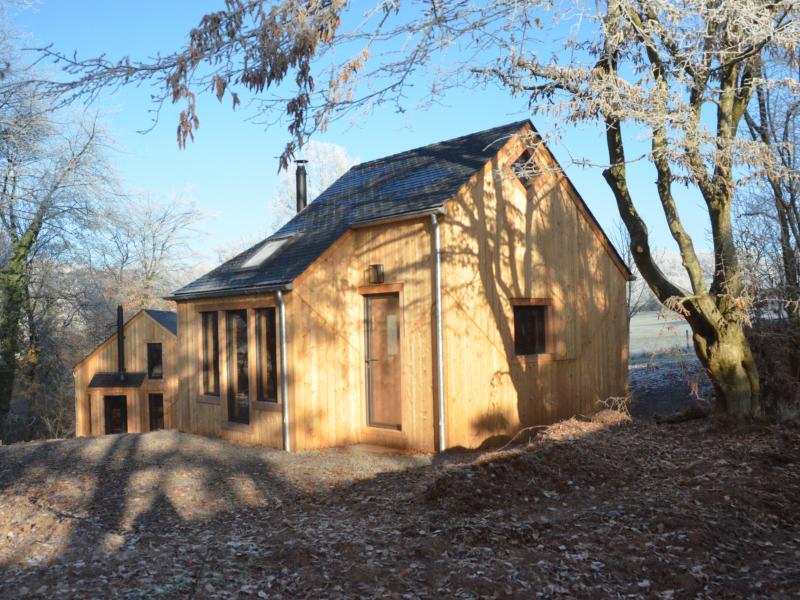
(156, 405)
(116, 409)
(383, 360)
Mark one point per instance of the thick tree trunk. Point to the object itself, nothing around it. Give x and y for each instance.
(13, 283)
(726, 355)
(11, 290)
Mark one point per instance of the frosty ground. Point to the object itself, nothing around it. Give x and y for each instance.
(588, 509)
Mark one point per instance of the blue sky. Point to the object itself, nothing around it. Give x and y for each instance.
(230, 170)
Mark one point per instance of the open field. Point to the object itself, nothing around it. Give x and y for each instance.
(605, 508)
(650, 333)
(664, 374)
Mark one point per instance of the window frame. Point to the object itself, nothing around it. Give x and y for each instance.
(161, 356)
(547, 306)
(262, 398)
(205, 363)
(231, 358)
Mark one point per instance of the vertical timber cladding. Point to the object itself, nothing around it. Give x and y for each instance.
(140, 330)
(208, 414)
(326, 339)
(503, 242)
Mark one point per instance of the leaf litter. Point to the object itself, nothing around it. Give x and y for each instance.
(588, 508)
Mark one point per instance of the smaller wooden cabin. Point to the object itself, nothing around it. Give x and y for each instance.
(129, 383)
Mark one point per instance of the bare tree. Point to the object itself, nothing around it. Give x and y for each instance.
(774, 121)
(143, 250)
(638, 295)
(50, 176)
(684, 71)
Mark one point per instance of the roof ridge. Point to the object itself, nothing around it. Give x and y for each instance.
(413, 180)
(449, 140)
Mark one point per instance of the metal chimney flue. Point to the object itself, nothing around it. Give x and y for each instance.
(120, 344)
(302, 188)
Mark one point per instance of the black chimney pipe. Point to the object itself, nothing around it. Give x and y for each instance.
(120, 344)
(302, 191)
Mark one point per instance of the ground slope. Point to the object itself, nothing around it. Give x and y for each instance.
(588, 509)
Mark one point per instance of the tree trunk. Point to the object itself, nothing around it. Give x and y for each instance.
(725, 352)
(13, 284)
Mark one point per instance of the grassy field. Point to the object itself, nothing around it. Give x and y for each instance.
(654, 334)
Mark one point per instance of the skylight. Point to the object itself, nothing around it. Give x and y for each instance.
(261, 255)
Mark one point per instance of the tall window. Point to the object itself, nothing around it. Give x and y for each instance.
(155, 365)
(210, 354)
(266, 356)
(529, 330)
(238, 378)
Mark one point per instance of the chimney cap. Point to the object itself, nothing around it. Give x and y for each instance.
(300, 161)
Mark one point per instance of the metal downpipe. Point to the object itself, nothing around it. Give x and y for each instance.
(437, 275)
(284, 379)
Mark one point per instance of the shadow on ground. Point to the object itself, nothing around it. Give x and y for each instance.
(589, 509)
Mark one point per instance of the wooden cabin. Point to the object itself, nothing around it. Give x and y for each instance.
(432, 299)
(129, 383)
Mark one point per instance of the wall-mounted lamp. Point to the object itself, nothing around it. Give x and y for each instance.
(375, 273)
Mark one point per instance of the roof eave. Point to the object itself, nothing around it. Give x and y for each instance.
(437, 210)
(225, 293)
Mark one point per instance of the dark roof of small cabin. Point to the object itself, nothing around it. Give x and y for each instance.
(166, 318)
(412, 181)
(112, 380)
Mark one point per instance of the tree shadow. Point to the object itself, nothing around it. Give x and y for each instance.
(83, 505)
(507, 242)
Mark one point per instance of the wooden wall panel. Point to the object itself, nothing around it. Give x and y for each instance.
(207, 415)
(139, 331)
(503, 242)
(325, 322)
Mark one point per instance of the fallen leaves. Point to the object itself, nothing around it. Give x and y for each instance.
(590, 508)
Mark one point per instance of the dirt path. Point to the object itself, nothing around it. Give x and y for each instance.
(589, 509)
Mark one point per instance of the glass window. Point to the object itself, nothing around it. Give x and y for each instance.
(238, 379)
(524, 169)
(529, 330)
(260, 256)
(267, 355)
(210, 354)
(155, 366)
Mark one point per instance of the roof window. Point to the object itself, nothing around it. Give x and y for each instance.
(264, 253)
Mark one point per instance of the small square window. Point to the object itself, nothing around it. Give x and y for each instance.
(529, 329)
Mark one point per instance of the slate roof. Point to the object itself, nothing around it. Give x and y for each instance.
(112, 380)
(412, 181)
(167, 318)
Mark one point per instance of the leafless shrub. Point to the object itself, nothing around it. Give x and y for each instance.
(620, 404)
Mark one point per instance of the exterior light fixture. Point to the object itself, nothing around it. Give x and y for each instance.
(375, 273)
